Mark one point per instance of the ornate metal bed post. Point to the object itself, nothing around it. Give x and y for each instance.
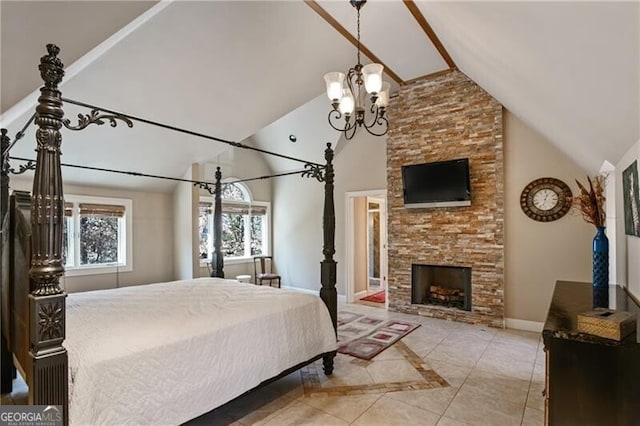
(48, 378)
(217, 259)
(328, 265)
(6, 362)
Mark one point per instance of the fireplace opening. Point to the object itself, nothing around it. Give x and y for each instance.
(440, 285)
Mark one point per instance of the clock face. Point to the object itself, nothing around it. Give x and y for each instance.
(546, 199)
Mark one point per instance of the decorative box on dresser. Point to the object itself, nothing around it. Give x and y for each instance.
(589, 380)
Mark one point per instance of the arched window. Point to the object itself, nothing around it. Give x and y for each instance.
(245, 224)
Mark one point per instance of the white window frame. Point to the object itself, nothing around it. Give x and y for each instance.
(266, 229)
(125, 232)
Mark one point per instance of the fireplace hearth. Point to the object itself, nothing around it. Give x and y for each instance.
(441, 285)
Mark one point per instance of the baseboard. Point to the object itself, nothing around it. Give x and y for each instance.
(525, 325)
(341, 298)
(359, 295)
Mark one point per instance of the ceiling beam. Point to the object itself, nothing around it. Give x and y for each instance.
(422, 21)
(346, 34)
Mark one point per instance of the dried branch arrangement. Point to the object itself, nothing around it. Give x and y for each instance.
(590, 201)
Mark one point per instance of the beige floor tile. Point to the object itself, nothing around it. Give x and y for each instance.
(538, 373)
(393, 371)
(474, 332)
(390, 353)
(521, 337)
(447, 421)
(454, 374)
(345, 373)
(420, 344)
(535, 398)
(436, 400)
(540, 355)
(505, 364)
(458, 353)
(390, 412)
(484, 410)
(533, 417)
(513, 350)
(302, 414)
(493, 385)
(347, 408)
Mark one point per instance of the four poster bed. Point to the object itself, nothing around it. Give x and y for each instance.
(158, 353)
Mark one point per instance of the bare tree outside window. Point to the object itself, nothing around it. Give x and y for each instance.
(98, 240)
(243, 227)
(203, 228)
(256, 235)
(233, 235)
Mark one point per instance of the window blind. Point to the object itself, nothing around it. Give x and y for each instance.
(243, 209)
(68, 209)
(206, 207)
(108, 210)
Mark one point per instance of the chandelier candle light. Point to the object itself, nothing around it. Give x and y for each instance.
(351, 98)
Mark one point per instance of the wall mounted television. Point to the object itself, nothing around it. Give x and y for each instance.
(438, 184)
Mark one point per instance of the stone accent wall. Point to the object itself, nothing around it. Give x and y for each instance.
(444, 118)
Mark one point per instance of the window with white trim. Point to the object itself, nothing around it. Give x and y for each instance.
(245, 224)
(97, 235)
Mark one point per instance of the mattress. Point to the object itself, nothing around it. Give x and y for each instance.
(165, 353)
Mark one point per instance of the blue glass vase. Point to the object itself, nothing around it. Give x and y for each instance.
(600, 269)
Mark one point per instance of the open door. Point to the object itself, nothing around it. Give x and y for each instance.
(376, 245)
(366, 246)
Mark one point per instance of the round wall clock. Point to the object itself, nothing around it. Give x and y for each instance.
(546, 199)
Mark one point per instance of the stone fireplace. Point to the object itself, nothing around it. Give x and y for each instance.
(442, 118)
(439, 285)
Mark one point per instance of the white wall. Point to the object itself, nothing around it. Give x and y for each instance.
(539, 253)
(185, 213)
(361, 164)
(627, 247)
(152, 238)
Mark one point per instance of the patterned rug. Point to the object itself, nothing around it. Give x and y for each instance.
(378, 297)
(364, 337)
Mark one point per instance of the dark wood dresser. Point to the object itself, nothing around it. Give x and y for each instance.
(589, 380)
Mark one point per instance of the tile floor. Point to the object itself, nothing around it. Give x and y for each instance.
(493, 377)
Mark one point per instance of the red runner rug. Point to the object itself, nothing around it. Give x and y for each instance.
(378, 297)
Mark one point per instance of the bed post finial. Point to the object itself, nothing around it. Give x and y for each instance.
(217, 258)
(328, 265)
(48, 377)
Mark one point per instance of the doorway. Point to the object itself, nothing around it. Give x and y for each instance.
(366, 248)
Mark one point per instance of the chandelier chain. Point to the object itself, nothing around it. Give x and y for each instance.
(358, 9)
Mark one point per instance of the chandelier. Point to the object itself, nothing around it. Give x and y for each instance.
(349, 95)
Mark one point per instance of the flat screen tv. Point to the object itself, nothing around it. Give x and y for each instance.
(439, 184)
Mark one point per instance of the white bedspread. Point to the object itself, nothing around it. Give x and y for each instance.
(165, 353)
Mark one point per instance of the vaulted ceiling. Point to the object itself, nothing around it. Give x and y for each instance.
(253, 71)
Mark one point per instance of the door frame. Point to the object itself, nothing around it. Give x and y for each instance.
(383, 244)
(349, 237)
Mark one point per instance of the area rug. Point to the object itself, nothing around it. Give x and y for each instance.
(378, 297)
(365, 337)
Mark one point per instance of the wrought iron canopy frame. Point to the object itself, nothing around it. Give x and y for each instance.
(45, 360)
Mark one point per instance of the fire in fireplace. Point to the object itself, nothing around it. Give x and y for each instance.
(441, 285)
